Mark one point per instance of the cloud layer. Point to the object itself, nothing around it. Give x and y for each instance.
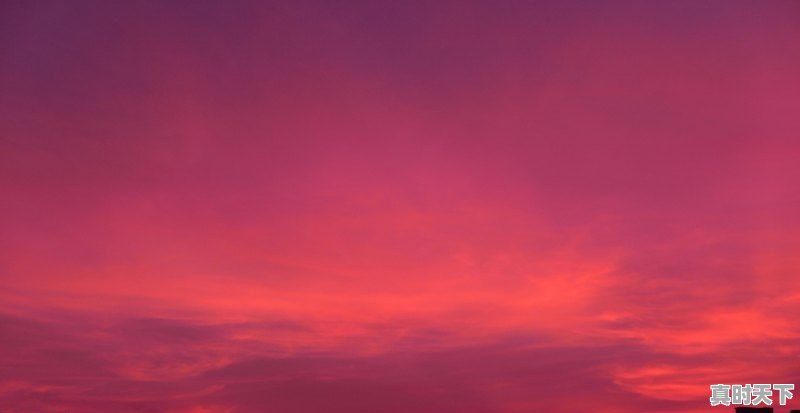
(397, 207)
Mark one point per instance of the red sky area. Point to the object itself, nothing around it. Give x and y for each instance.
(375, 206)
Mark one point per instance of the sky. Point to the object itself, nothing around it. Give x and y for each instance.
(397, 206)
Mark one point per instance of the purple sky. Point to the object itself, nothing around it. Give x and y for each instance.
(289, 207)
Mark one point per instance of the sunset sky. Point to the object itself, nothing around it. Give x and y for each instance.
(397, 206)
